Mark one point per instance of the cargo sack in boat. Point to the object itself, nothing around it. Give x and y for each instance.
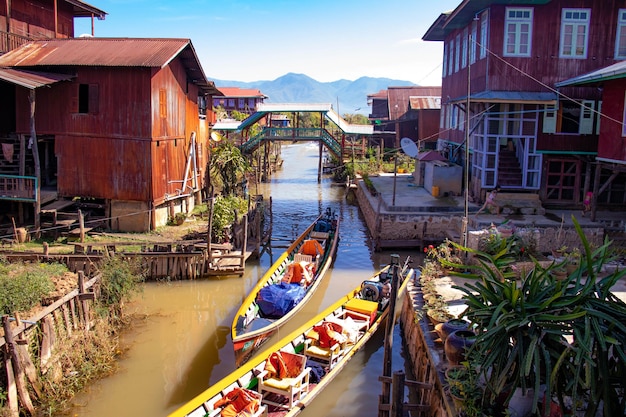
(276, 300)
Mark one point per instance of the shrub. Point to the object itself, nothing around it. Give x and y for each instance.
(224, 214)
(120, 280)
(23, 285)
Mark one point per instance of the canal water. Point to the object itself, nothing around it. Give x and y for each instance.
(180, 342)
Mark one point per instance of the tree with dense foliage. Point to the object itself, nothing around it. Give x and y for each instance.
(227, 167)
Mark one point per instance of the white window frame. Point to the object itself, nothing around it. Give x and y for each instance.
(472, 42)
(445, 60)
(484, 30)
(575, 23)
(620, 37)
(599, 116)
(464, 50)
(624, 118)
(451, 56)
(457, 52)
(549, 118)
(585, 125)
(518, 23)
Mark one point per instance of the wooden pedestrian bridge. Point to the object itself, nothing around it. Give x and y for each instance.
(334, 142)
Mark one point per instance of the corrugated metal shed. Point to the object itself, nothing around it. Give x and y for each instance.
(110, 52)
(31, 79)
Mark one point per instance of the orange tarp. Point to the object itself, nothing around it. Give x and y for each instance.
(312, 247)
(239, 402)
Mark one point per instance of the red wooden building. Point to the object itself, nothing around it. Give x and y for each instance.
(24, 20)
(611, 157)
(524, 135)
(120, 122)
(411, 112)
(243, 100)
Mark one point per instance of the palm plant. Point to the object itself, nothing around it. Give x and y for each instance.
(228, 166)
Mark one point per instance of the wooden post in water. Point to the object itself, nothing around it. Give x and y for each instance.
(397, 398)
(244, 245)
(384, 400)
(319, 163)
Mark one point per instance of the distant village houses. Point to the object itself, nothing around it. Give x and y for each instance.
(242, 100)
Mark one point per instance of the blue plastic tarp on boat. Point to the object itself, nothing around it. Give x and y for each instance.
(276, 300)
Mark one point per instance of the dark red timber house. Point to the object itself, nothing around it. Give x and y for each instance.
(611, 157)
(407, 111)
(502, 63)
(120, 124)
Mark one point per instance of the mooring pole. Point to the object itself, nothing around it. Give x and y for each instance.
(387, 360)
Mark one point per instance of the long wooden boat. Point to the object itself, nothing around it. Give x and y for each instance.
(362, 311)
(286, 286)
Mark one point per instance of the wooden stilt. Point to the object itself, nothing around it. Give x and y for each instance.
(22, 390)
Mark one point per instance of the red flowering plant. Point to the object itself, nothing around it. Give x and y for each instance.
(445, 255)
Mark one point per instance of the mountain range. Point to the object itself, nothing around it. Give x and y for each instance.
(346, 96)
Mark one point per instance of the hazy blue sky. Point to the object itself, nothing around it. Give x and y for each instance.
(256, 40)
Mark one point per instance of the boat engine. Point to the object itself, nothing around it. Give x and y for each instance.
(372, 291)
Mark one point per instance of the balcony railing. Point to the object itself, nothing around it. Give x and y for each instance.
(18, 188)
(11, 41)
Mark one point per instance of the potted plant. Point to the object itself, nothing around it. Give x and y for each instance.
(464, 389)
(567, 336)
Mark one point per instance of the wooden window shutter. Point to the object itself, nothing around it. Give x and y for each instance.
(163, 103)
(94, 98)
(586, 117)
(598, 117)
(549, 119)
(74, 98)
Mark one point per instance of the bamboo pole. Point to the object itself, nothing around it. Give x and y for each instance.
(18, 371)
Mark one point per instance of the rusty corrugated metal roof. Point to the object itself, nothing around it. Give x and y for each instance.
(31, 79)
(110, 52)
(425, 102)
(241, 92)
(399, 99)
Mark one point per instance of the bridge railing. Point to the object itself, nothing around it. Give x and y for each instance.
(18, 188)
(294, 134)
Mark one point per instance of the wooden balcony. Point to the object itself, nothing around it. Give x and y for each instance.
(18, 188)
(11, 41)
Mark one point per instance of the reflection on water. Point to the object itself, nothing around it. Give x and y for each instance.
(184, 345)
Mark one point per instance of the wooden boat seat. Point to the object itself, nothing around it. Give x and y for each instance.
(239, 401)
(285, 374)
(299, 257)
(328, 341)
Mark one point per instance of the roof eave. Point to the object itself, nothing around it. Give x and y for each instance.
(83, 9)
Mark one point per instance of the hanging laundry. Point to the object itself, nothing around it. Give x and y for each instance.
(7, 151)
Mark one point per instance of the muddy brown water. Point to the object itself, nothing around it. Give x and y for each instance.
(183, 344)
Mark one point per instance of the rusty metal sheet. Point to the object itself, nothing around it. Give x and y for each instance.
(110, 52)
(31, 79)
(425, 102)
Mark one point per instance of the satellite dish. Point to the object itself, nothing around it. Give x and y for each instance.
(216, 136)
(409, 147)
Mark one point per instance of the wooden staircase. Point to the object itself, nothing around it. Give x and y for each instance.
(509, 170)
